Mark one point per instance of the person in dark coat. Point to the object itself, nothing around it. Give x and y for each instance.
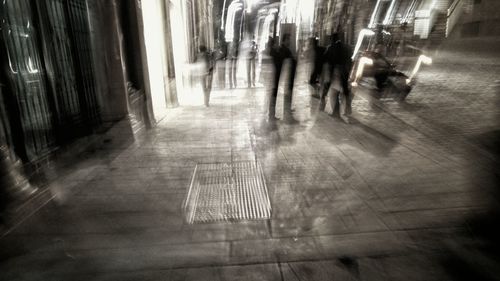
(338, 57)
(317, 66)
(280, 55)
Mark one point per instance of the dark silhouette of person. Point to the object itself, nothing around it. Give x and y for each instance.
(280, 55)
(252, 54)
(317, 57)
(338, 57)
(205, 59)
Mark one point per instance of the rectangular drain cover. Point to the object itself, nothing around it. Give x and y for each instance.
(227, 192)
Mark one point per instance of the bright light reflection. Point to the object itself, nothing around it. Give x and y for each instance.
(231, 14)
(364, 32)
(265, 30)
(249, 5)
(31, 68)
(374, 13)
(361, 66)
(387, 18)
(153, 35)
(421, 59)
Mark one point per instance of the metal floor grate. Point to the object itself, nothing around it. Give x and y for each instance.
(227, 192)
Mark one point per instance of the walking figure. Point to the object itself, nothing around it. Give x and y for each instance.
(252, 54)
(232, 63)
(317, 60)
(280, 55)
(205, 60)
(338, 57)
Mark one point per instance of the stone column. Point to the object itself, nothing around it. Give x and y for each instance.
(129, 30)
(148, 114)
(168, 58)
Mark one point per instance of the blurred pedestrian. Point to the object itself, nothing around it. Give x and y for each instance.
(338, 58)
(220, 64)
(204, 59)
(266, 65)
(232, 63)
(252, 54)
(281, 55)
(317, 64)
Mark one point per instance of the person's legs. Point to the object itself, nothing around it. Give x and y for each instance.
(334, 100)
(272, 104)
(203, 83)
(207, 98)
(314, 75)
(274, 94)
(287, 106)
(344, 101)
(253, 71)
(234, 68)
(313, 81)
(207, 88)
(346, 93)
(249, 70)
(221, 73)
(312, 78)
(229, 67)
(325, 87)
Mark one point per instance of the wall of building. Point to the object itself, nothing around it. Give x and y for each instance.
(71, 76)
(480, 18)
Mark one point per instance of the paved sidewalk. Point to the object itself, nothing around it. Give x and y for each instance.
(384, 198)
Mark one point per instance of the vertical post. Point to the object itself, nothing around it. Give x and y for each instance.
(168, 61)
(148, 106)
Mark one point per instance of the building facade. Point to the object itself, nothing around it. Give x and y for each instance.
(67, 67)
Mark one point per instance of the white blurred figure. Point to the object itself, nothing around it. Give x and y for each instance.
(252, 54)
(204, 66)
